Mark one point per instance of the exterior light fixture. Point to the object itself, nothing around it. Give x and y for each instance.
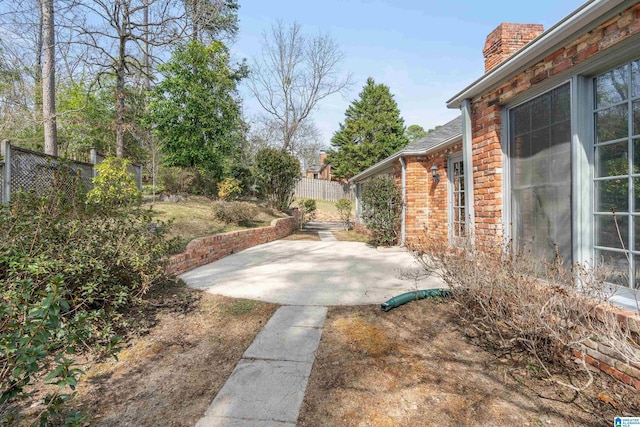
(434, 174)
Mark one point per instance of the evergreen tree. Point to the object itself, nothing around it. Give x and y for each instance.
(372, 131)
(195, 109)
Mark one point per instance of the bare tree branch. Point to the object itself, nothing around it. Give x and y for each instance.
(295, 73)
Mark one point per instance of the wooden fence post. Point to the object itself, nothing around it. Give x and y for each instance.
(6, 154)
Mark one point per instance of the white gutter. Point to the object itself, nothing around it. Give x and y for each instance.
(403, 225)
(380, 165)
(539, 47)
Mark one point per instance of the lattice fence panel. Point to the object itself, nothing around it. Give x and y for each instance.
(43, 174)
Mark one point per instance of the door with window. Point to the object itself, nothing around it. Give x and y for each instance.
(457, 211)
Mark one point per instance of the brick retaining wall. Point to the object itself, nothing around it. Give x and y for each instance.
(207, 249)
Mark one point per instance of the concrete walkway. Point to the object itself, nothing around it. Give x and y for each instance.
(268, 385)
(324, 230)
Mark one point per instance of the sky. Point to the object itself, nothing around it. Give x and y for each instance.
(425, 51)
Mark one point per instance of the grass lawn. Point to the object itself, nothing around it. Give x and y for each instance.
(170, 376)
(416, 366)
(194, 217)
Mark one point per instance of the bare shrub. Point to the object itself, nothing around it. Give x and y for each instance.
(239, 213)
(516, 303)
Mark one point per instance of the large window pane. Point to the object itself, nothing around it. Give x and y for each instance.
(612, 87)
(612, 160)
(560, 105)
(612, 195)
(540, 160)
(607, 229)
(540, 110)
(615, 265)
(612, 123)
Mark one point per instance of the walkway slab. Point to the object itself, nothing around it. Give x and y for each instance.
(262, 391)
(327, 236)
(298, 315)
(267, 386)
(280, 341)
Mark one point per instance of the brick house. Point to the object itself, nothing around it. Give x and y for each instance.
(427, 200)
(320, 170)
(547, 146)
(549, 150)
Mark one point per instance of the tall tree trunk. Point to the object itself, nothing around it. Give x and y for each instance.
(38, 71)
(120, 107)
(49, 80)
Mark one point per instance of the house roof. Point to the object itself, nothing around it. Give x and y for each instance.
(586, 16)
(442, 136)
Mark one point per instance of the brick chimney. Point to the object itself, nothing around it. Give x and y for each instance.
(506, 40)
(323, 155)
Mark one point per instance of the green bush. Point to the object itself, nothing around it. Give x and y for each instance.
(239, 213)
(344, 207)
(114, 186)
(243, 174)
(381, 207)
(68, 275)
(176, 180)
(277, 173)
(307, 211)
(229, 189)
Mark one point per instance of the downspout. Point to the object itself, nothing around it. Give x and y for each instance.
(467, 155)
(403, 226)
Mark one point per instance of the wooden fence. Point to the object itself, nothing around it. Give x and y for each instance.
(320, 189)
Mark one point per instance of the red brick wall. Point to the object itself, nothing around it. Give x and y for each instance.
(486, 116)
(487, 152)
(211, 248)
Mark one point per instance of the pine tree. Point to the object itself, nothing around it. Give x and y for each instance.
(372, 130)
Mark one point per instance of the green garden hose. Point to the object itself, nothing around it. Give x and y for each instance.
(412, 296)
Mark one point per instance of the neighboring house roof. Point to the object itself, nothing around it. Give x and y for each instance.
(314, 168)
(586, 16)
(436, 139)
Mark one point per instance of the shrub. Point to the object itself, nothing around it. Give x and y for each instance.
(239, 213)
(517, 303)
(344, 207)
(176, 180)
(243, 174)
(114, 186)
(277, 173)
(229, 189)
(381, 206)
(307, 211)
(67, 278)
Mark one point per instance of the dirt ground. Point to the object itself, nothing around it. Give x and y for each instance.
(170, 376)
(413, 366)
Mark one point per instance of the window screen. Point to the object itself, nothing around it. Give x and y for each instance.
(540, 166)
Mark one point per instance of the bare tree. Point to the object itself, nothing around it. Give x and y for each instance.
(212, 19)
(120, 31)
(49, 78)
(306, 144)
(293, 74)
